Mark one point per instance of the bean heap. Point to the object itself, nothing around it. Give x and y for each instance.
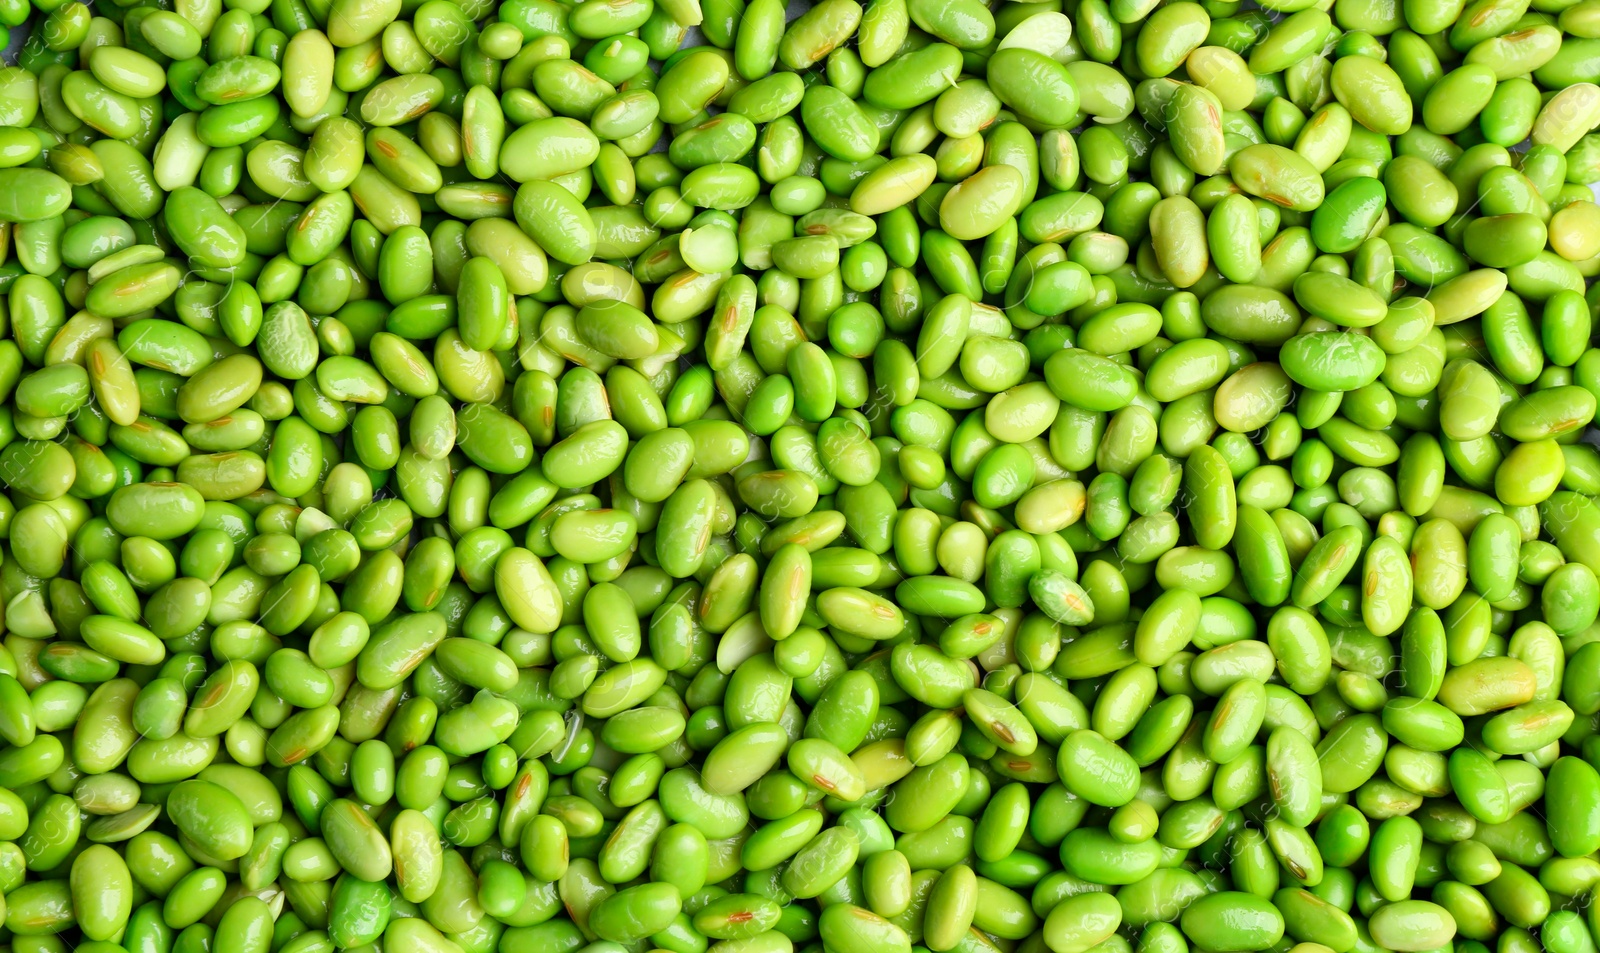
(1099, 476)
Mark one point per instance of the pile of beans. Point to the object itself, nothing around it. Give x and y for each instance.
(1082, 476)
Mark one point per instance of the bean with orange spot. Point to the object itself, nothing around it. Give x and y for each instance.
(736, 916)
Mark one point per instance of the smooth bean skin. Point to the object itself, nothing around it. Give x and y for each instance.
(530, 477)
